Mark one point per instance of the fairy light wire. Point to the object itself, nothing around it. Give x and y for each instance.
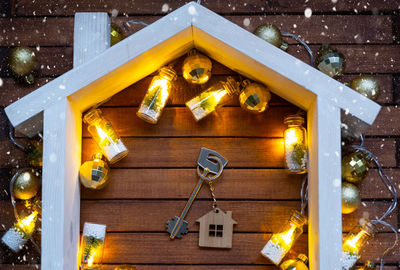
(302, 42)
(304, 195)
(127, 25)
(392, 189)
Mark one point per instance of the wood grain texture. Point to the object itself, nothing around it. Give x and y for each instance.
(179, 122)
(180, 152)
(57, 31)
(359, 59)
(238, 184)
(45, 8)
(140, 248)
(251, 216)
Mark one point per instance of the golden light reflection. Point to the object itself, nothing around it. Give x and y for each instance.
(293, 136)
(27, 224)
(353, 244)
(285, 239)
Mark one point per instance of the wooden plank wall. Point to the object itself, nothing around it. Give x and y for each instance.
(151, 185)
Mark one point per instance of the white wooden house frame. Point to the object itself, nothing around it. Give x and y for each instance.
(100, 72)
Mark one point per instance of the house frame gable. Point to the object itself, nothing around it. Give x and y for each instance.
(61, 102)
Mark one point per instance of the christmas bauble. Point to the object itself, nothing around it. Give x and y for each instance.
(366, 85)
(329, 61)
(25, 184)
(350, 198)
(355, 167)
(269, 33)
(94, 174)
(298, 264)
(116, 34)
(22, 60)
(125, 267)
(255, 97)
(196, 68)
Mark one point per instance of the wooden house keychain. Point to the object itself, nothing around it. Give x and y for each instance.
(216, 227)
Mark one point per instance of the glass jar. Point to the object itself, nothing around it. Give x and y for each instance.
(282, 241)
(300, 263)
(354, 243)
(196, 68)
(212, 98)
(157, 95)
(105, 136)
(92, 246)
(295, 144)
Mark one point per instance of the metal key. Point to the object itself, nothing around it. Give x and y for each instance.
(211, 162)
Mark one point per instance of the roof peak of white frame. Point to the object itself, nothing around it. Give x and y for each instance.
(190, 26)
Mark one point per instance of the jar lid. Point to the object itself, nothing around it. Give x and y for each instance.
(295, 119)
(298, 218)
(168, 72)
(91, 116)
(303, 257)
(232, 86)
(13, 239)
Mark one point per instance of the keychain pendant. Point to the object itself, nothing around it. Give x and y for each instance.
(216, 229)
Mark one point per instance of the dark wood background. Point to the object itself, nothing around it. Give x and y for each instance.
(151, 185)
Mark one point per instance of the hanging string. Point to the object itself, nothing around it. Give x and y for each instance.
(11, 135)
(199, 2)
(392, 189)
(286, 34)
(304, 195)
(127, 25)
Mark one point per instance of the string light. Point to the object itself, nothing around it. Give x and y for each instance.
(92, 246)
(105, 136)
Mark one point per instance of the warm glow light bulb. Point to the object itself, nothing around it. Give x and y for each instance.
(157, 95)
(215, 96)
(354, 243)
(105, 136)
(295, 144)
(282, 241)
(92, 245)
(22, 230)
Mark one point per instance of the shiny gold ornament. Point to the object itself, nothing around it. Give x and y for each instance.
(350, 198)
(22, 61)
(94, 174)
(196, 68)
(116, 34)
(300, 263)
(271, 34)
(125, 267)
(330, 61)
(355, 167)
(255, 97)
(25, 184)
(366, 85)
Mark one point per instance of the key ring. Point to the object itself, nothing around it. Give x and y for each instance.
(210, 179)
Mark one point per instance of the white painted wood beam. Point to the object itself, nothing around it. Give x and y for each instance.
(62, 155)
(324, 176)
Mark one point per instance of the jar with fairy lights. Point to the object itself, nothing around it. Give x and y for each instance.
(295, 144)
(355, 242)
(157, 95)
(105, 136)
(92, 246)
(213, 97)
(282, 241)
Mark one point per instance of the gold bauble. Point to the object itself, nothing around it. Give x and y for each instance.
(25, 184)
(125, 267)
(269, 33)
(350, 198)
(22, 61)
(94, 174)
(366, 85)
(297, 264)
(116, 34)
(196, 68)
(355, 167)
(255, 97)
(330, 61)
